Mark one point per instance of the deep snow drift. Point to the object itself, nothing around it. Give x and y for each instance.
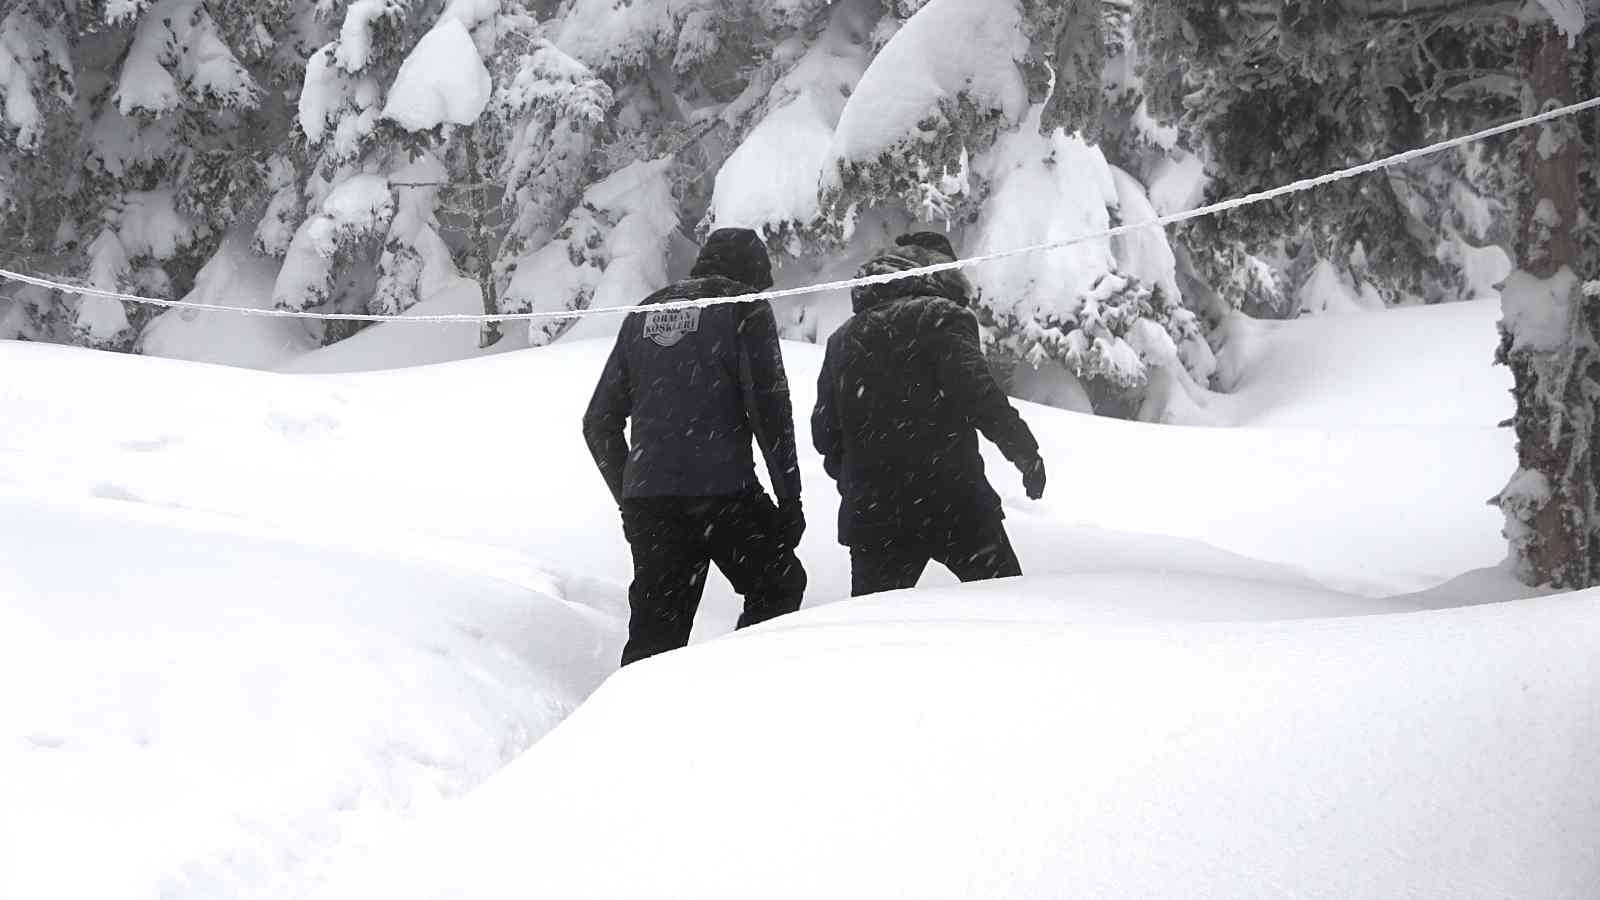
(942, 754)
(213, 709)
(265, 618)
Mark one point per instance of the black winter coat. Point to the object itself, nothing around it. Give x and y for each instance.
(903, 393)
(698, 385)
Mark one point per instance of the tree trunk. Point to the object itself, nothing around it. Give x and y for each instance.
(1548, 340)
(490, 332)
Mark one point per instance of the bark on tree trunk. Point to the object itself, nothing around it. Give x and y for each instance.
(1549, 504)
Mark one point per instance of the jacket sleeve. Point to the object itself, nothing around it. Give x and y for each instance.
(826, 435)
(766, 392)
(606, 418)
(964, 375)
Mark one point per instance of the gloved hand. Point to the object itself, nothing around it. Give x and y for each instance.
(1032, 476)
(791, 522)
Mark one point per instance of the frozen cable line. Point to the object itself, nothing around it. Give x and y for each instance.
(846, 284)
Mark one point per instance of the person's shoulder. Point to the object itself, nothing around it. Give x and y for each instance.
(697, 288)
(937, 312)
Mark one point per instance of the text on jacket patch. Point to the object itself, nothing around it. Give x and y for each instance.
(667, 327)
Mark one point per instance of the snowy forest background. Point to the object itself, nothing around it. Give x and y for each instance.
(385, 156)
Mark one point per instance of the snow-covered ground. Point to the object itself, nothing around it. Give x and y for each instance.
(263, 619)
(941, 752)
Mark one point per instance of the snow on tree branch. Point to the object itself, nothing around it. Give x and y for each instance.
(177, 53)
(34, 60)
(919, 106)
(443, 80)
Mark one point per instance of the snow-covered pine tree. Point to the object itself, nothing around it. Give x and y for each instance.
(138, 131)
(1266, 96)
(38, 134)
(1550, 333)
(339, 258)
(617, 117)
(993, 145)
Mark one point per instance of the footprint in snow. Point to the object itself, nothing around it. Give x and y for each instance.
(301, 427)
(151, 446)
(108, 491)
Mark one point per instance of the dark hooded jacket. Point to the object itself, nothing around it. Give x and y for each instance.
(903, 393)
(698, 384)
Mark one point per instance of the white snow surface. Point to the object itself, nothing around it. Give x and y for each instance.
(923, 747)
(234, 276)
(443, 80)
(1331, 290)
(1538, 311)
(266, 619)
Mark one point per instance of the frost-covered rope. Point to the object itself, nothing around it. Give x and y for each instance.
(848, 283)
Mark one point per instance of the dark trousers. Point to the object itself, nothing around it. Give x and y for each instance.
(674, 539)
(972, 554)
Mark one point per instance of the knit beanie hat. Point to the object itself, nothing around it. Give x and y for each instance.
(735, 253)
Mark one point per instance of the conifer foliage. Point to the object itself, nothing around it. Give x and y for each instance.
(561, 154)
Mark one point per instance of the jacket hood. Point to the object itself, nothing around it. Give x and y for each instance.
(949, 284)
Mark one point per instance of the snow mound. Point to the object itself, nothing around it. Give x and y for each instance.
(443, 80)
(220, 712)
(1425, 366)
(966, 757)
(234, 276)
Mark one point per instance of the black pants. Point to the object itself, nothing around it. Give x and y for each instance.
(674, 539)
(972, 554)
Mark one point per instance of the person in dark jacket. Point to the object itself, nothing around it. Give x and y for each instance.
(903, 393)
(699, 384)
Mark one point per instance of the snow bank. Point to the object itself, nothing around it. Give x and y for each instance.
(957, 756)
(1330, 290)
(1407, 367)
(421, 501)
(389, 345)
(443, 80)
(219, 711)
(234, 276)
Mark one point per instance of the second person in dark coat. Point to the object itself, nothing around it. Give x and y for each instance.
(903, 393)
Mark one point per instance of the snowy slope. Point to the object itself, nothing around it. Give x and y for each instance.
(1407, 367)
(1442, 754)
(415, 572)
(409, 449)
(216, 709)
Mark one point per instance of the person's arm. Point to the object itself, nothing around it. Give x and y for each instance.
(766, 391)
(606, 419)
(964, 375)
(826, 434)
